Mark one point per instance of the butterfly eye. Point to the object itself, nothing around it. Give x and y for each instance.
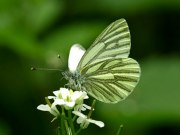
(76, 83)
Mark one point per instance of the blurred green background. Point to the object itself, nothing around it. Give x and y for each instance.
(34, 32)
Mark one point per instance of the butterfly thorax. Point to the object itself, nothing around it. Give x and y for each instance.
(75, 80)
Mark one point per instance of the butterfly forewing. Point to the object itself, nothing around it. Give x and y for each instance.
(113, 42)
(111, 80)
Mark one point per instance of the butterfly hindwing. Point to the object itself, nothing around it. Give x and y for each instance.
(113, 42)
(111, 80)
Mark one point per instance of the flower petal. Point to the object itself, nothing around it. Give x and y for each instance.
(54, 111)
(69, 105)
(44, 108)
(51, 97)
(87, 107)
(80, 120)
(56, 93)
(75, 95)
(58, 102)
(79, 114)
(98, 123)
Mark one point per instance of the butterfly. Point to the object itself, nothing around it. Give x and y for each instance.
(104, 71)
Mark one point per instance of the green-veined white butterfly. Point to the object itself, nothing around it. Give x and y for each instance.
(104, 71)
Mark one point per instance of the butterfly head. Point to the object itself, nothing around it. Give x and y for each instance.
(75, 80)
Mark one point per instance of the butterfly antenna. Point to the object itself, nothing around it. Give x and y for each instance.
(46, 69)
(59, 57)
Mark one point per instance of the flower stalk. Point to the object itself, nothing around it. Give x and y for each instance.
(63, 122)
(71, 121)
(92, 107)
(119, 130)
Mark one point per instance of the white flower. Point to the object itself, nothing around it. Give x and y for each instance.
(53, 110)
(84, 121)
(79, 96)
(68, 98)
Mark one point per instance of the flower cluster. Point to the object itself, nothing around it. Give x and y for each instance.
(69, 102)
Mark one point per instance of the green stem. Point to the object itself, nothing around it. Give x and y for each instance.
(67, 127)
(47, 101)
(74, 118)
(92, 107)
(59, 129)
(62, 122)
(119, 130)
(79, 130)
(71, 122)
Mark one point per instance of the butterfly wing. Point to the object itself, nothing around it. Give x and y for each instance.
(109, 75)
(113, 42)
(111, 80)
(75, 55)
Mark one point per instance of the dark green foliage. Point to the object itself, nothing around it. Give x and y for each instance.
(34, 32)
